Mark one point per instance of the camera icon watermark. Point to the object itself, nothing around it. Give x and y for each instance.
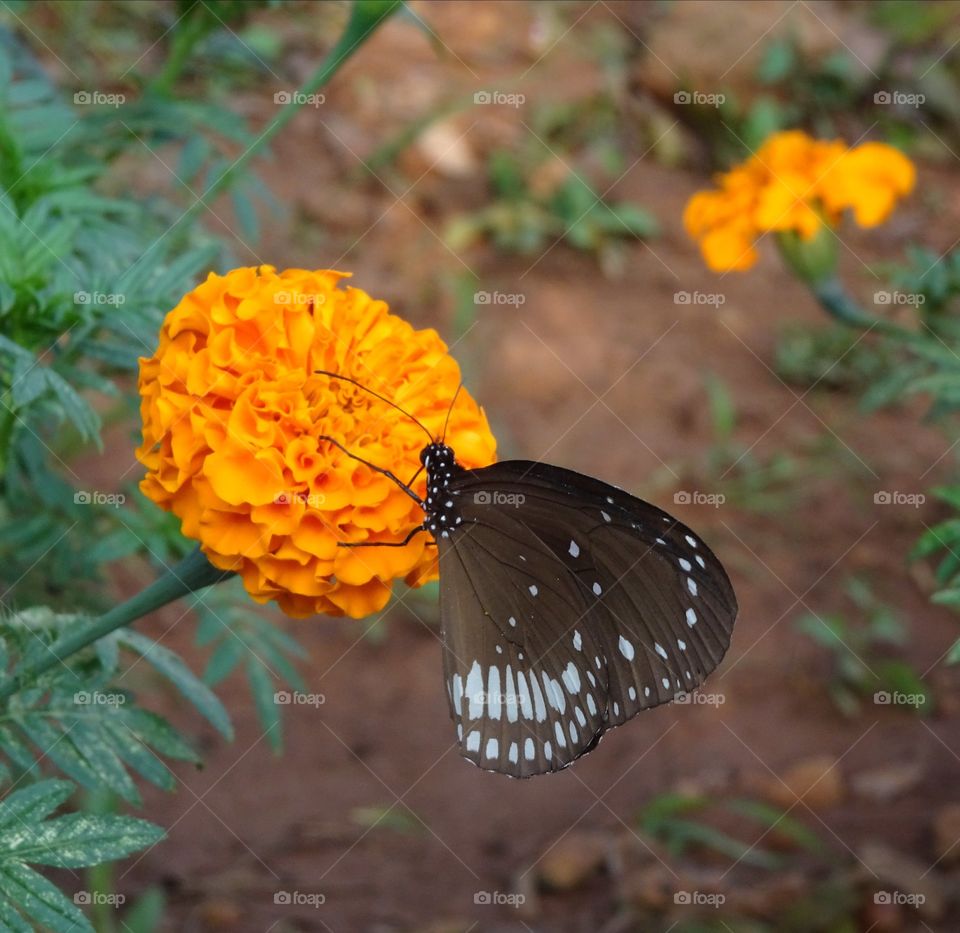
(98, 99)
(700, 699)
(299, 298)
(499, 298)
(299, 899)
(699, 99)
(899, 897)
(912, 299)
(512, 499)
(499, 99)
(298, 698)
(299, 98)
(89, 898)
(699, 298)
(95, 497)
(312, 500)
(99, 298)
(895, 497)
(501, 898)
(698, 899)
(96, 698)
(899, 99)
(898, 698)
(695, 497)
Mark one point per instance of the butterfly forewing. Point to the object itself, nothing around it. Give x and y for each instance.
(567, 606)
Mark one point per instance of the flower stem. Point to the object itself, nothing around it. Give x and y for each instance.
(193, 573)
(365, 17)
(836, 300)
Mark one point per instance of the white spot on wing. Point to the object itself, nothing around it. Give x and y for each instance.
(574, 549)
(493, 746)
(493, 692)
(691, 618)
(685, 564)
(533, 589)
(659, 649)
(475, 691)
(571, 678)
(577, 641)
(514, 753)
(597, 589)
(606, 517)
(626, 649)
(473, 741)
(692, 586)
(691, 541)
(529, 752)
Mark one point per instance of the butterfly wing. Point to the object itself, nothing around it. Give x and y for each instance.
(568, 606)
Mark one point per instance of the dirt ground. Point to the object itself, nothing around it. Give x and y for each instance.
(603, 374)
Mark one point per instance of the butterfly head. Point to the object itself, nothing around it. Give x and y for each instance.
(438, 458)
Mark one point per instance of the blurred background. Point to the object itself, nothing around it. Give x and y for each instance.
(514, 174)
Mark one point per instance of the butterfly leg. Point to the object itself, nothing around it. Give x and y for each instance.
(373, 466)
(402, 543)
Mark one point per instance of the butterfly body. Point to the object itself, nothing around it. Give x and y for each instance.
(567, 606)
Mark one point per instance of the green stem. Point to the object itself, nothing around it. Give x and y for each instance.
(193, 573)
(835, 299)
(365, 17)
(184, 41)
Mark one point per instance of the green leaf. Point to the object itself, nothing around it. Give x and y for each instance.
(78, 840)
(189, 685)
(39, 899)
(33, 803)
(262, 690)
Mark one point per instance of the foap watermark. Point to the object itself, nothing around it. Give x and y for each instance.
(89, 898)
(897, 698)
(96, 698)
(700, 699)
(899, 99)
(514, 499)
(299, 98)
(695, 497)
(698, 899)
(913, 299)
(99, 99)
(499, 99)
(99, 298)
(299, 298)
(95, 497)
(699, 99)
(500, 898)
(499, 298)
(699, 298)
(309, 499)
(299, 898)
(895, 497)
(482, 698)
(298, 698)
(899, 897)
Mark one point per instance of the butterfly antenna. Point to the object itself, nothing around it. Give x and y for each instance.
(383, 398)
(449, 410)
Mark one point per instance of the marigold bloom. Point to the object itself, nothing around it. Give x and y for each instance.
(232, 410)
(794, 184)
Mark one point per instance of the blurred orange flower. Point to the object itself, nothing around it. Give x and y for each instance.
(794, 183)
(232, 410)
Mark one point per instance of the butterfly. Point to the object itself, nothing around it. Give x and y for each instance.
(567, 606)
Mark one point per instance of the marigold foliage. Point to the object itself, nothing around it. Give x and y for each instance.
(794, 183)
(232, 412)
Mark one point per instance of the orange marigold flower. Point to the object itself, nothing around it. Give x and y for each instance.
(233, 410)
(794, 184)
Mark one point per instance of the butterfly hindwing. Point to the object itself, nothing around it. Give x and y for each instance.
(567, 606)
